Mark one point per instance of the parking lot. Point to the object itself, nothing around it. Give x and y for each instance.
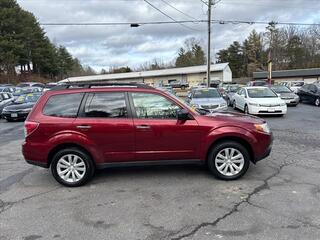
(279, 198)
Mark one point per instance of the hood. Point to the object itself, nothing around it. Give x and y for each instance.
(288, 95)
(207, 101)
(22, 106)
(235, 117)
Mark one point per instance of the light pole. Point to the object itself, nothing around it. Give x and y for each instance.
(209, 44)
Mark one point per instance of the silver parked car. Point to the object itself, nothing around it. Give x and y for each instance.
(208, 99)
(286, 94)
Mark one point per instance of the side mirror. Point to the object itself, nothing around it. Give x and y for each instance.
(183, 114)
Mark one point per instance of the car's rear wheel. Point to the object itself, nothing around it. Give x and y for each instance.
(317, 102)
(228, 102)
(72, 167)
(228, 160)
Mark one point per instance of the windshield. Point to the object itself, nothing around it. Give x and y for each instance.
(206, 93)
(261, 93)
(297, 84)
(27, 98)
(234, 88)
(281, 89)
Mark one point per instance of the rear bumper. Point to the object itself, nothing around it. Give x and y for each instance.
(35, 154)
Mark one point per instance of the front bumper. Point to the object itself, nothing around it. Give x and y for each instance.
(291, 101)
(266, 153)
(15, 115)
(256, 110)
(217, 109)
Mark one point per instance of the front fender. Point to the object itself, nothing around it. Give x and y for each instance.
(226, 132)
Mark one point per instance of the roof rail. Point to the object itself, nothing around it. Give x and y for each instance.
(72, 85)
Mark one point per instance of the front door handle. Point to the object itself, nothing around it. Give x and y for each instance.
(143, 127)
(83, 127)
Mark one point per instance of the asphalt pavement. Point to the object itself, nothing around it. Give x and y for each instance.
(279, 198)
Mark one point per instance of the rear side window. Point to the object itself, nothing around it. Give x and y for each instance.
(63, 105)
(106, 105)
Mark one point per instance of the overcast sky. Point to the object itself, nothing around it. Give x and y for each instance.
(113, 46)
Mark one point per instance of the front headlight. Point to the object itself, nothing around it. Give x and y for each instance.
(253, 104)
(194, 106)
(27, 110)
(262, 128)
(223, 105)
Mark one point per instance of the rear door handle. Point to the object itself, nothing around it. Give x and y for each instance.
(143, 127)
(83, 127)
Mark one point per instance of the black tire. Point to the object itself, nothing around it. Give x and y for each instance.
(228, 102)
(317, 102)
(228, 144)
(90, 168)
(234, 106)
(246, 109)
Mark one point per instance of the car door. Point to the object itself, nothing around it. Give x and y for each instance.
(312, 93)
(158, 133)
(105, 119)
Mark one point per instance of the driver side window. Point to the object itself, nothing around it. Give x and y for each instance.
(154, 106)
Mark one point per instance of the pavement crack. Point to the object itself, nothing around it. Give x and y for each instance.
(6, 183)
(235, 207)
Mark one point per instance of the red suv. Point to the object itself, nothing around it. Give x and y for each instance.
(76, 130)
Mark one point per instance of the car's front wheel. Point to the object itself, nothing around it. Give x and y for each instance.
(228, 160)
(246, 109)
(317, 102)
(72, 167)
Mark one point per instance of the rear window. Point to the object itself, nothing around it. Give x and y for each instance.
(63, 105)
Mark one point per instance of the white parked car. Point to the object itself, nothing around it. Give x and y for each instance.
(259, 100)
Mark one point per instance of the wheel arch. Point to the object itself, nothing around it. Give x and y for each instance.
(61, 146)
(237, 139)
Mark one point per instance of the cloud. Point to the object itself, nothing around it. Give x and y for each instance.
(112, 46)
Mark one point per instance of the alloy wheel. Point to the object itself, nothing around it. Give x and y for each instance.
(71, 168)
(229, 161)
(317, 102)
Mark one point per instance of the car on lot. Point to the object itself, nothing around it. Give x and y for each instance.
(310, 93)
(209, 99)
(293, 85)
(259, 100)
(257, 83)
(78, 130)
(5, 100)
(230, 91)
(286, 94)
(31, 84)
(179, 84)
(21, 107)
(7, 89)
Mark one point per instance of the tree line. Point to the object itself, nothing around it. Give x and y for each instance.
(24, 44)
(291, 48)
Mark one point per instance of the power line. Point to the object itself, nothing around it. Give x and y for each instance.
(214, 21)
(187, 15)
(153, 6)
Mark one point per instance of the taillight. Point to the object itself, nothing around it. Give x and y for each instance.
(30, 127)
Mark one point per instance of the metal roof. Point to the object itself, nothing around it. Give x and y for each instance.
(153, 73)
(289, 73)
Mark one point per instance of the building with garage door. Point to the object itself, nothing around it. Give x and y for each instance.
(309, 75)
(193, 75)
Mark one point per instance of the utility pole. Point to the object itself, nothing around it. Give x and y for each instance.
(209, 43)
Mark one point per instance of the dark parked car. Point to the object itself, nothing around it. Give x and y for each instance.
(310, 93)
(78, 130)
(31, 84)
(20, 108)
(5, 100)
(286, 94)
(257, 83)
